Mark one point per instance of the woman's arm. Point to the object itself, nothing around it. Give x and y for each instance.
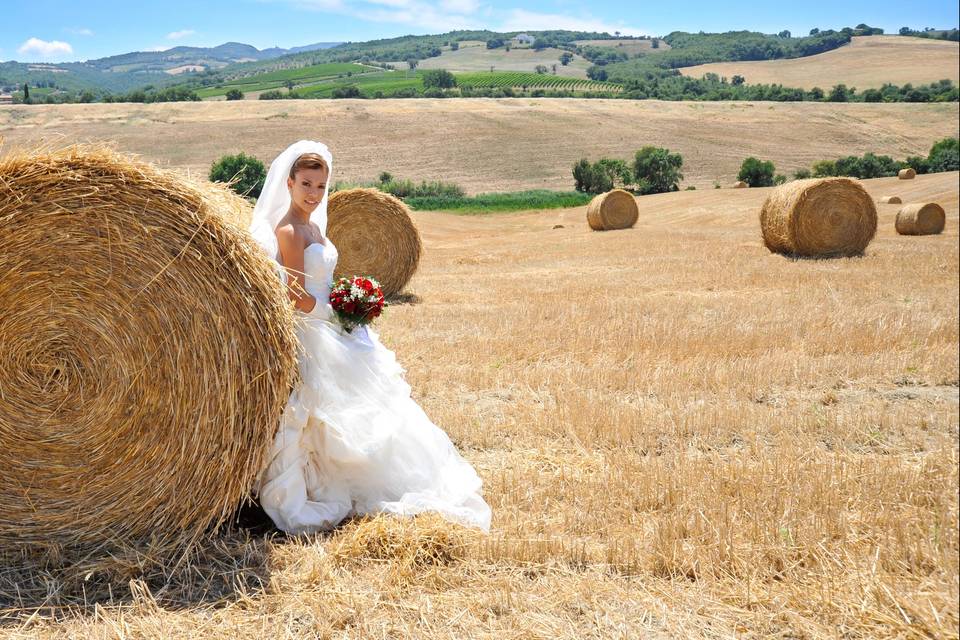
(291, 252)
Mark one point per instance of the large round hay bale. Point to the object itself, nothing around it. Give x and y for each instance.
(146, 351)
(615, 209)
(824, 217)
(907, 174)
(375, 236)
(921, 219)
(740, 184)
(891, 200)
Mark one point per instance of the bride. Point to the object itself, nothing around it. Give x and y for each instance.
(351, 439)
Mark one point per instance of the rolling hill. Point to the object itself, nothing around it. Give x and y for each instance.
(495, 144)
(867, 62)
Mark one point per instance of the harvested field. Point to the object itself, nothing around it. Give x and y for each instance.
(681, 435)
(867, 62)
(474, 56)
(494, 145)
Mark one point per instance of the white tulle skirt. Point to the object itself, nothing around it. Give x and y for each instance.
(353, 441)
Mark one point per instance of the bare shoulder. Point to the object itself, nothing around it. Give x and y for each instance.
(290, 236)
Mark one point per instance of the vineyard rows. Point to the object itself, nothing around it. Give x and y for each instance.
(520, 79)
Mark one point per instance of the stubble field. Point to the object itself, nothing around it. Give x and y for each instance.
(493, 145)
(680, 434)
(867, 62)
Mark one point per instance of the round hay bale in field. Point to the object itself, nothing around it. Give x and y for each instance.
(740, 184)
(615, 209)
(891, 200)
(921, 219)
(146, 351)
(819, 217)
(907, 174)
(375, 236)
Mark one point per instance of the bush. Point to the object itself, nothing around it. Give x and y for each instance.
(824, 169)
(439, 78)
(234, 94)
(349, 91)
(601, 176)
(944, 155)
(802, 174)
(246, 173)
(779, 179)
(918, 164)
(756, 173)
(656, 170)
(272, 95)
(494, 43)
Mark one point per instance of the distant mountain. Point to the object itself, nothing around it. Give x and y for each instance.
(181, 59)
(139, 68)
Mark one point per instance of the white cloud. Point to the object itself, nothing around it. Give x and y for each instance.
(44, 49)
(460, 6)
(177, 35)
(521, 20)
(79, 31)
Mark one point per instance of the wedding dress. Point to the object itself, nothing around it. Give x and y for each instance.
(351, 439)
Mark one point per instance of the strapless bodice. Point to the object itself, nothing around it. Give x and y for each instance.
(319, 262)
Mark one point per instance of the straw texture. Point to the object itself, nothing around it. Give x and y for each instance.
(740, 184)
(891, 200)
(375, 236)
(819, 217)
(615, 209)
(921, 219)
(146, 351)
(907, 174)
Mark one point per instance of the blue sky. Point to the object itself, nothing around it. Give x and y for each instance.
(58, 30)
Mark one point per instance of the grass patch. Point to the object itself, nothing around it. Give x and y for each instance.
(500, 202)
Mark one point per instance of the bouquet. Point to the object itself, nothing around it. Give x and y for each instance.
(356, 301)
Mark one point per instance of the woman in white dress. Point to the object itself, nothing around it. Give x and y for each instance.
(351, 439)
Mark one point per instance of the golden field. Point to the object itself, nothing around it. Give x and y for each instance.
(867, 62)
(681, 435)
(493, 144)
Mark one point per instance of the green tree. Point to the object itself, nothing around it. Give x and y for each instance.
(541, 69)
(234, 94)
(245, 173)
(26, 93)
(737, 80)
(917, 163)
(656, 170)
(839, 93)
(600, 176)
(494, 43)
(784, 34)
(348, 91)
(944, 155)
(816, 94)
(824, 169)
(801, 174)
(756, 173)
(655, 43)
(439, 78)
(565, 58)
(455, 45)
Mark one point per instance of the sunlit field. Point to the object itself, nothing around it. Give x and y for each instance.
(681, 435)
